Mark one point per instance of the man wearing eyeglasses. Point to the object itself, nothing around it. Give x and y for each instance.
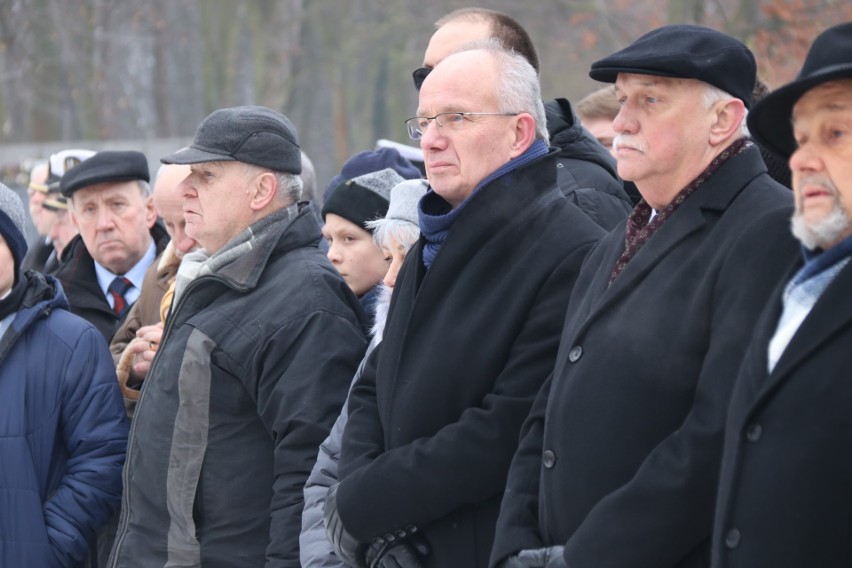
(473, 327)
(586, 173)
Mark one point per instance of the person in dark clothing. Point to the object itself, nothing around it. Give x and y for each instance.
(63, 431)
(103, 267)
(618, 459)
(586, 173)
(259, 346)
(784, 493)
(472, 329)
(582, 167)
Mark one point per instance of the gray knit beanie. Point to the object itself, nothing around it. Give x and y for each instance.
(363, 198)
(12, 224)
(404, 198)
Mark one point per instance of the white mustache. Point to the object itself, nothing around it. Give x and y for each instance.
(629, 141)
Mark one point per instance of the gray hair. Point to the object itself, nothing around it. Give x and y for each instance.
(404, 232)
(713, 95)
(309, 181)
(518, 86)
(288, 186)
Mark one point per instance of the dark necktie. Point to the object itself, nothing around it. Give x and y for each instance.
(118, 288)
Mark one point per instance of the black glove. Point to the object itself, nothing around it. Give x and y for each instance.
(550, 557)
(406, 553)
(347, 547)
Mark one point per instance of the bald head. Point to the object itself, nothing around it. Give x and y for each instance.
(168, 200)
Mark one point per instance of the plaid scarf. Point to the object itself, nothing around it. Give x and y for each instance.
(640, 226)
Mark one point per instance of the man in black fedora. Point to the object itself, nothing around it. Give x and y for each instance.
(618, 460)
(785, 497)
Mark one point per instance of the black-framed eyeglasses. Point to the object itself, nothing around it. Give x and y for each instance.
(419, 75)
(452, 121)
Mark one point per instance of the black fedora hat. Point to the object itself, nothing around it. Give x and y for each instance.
(829, 58)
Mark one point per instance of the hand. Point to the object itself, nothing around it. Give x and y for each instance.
(144, 348)
(400, 554)
(549, 557)
(345, 545)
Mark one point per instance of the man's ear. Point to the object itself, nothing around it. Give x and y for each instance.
(150, 211)
(728, 116)
(524, 134)
(263, 191)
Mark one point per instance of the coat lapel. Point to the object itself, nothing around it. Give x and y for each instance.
(832, 311)
(705, 205)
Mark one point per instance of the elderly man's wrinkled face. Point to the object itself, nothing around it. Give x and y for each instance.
(459, 156)
(62, 230)
(662, 130)
(822, 164)
(216, 203)
(168, 200)
(114, 220)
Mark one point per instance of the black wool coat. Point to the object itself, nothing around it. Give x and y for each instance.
(435, 418)
(619, 458)
(785, 489)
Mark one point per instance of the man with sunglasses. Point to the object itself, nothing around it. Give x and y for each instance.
(473, 328)
(586, 173)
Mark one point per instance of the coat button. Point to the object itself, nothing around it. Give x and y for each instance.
(575, 353)
(732, 538)
(548, 458)
(378, 540)
(753, 432)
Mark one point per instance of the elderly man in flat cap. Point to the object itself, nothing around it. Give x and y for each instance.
(102, 269)
(259, 346)
(785, 498)
(618, 460)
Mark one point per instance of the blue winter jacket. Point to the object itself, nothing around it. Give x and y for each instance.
(63, 432)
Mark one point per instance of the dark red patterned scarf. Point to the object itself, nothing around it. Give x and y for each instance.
(639, 230)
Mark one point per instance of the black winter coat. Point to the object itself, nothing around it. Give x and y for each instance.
(434, 420)
(785, 497)
(586, 172)
(253, 368)
(619, 459)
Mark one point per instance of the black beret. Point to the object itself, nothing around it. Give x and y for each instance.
(106, 166)
(829, 59)
(685, 52)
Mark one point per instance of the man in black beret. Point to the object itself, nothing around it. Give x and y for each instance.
(784, 492)
(102, 269)
(618, 460)
(260, 343)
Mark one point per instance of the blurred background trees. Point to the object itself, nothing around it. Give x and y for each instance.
(341, 70)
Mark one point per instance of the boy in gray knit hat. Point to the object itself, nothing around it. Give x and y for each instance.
(350, 241)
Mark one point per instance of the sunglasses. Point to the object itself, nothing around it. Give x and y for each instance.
(419, 75)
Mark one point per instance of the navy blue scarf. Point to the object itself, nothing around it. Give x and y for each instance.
(437, 215)
(817, 261)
